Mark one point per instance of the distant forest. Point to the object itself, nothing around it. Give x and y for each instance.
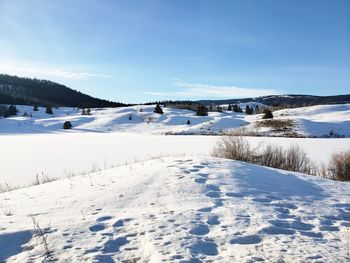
(27, 91)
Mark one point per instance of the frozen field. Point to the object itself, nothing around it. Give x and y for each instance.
(58, 155)
(182, 209)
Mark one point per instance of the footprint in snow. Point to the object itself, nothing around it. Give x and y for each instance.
(211, 187)
(204, 247)
(198, 166)
(200, 229)
(200, 180)
(213, 220)
(103, 218)
(246, 240)
(97, 227)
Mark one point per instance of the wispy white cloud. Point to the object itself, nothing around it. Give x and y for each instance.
(197, 90)
(45, 72)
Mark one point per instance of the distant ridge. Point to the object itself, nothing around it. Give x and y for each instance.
(27, 91)
(291, 100)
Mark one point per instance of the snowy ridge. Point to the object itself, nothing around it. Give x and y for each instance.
(187, 209)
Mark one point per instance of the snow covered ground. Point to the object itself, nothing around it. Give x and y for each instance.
(179, 209)
(314, 121)
(59, 155)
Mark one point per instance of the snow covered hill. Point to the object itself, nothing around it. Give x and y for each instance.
(189, 209)
(314, 121)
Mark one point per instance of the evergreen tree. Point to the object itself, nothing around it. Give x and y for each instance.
(67, 125)
(83, 112)
(201, 110)
(267, 114)
(257, 109)
(88, 111)
(249, 110)
(229, 108)
(188, 122)
(35, 108)
(49, 109)
(158, 109)
(12, 110)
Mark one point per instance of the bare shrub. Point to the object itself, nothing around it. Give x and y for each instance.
(297, 160)
(41, 234)
(233, 147)
(238, 148)
(339, 166)
(7, 188)
(7, 211)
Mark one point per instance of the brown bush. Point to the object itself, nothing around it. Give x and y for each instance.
(233, 147)
(339, 166)
(291, 159)
(276, 123)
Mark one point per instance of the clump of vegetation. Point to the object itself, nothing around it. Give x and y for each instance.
(158, 109)
(277, 124)
(267, 114)
(201, 110)
(339, 166)
(290, 159)
(67, 125)
(35, 108)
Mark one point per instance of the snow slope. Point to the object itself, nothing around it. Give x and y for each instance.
(189, 209)
(320, 120)
(56, 155)
(313, 121)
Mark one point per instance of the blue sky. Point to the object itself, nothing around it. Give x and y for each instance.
(136, 51)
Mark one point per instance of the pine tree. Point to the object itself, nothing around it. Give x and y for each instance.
(88, 111)
(188, 122)
(158, 109)
(12, 110)
(67, 125)
(49, 109)
(83, 112)
(229, 108)
(267, 114)
(249, 110)
(201, 110)
(257, 109)
(35, 108)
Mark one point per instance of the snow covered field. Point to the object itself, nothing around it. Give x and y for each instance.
(314, 121)
(58, 155)
(188, 209)
(140, 196)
